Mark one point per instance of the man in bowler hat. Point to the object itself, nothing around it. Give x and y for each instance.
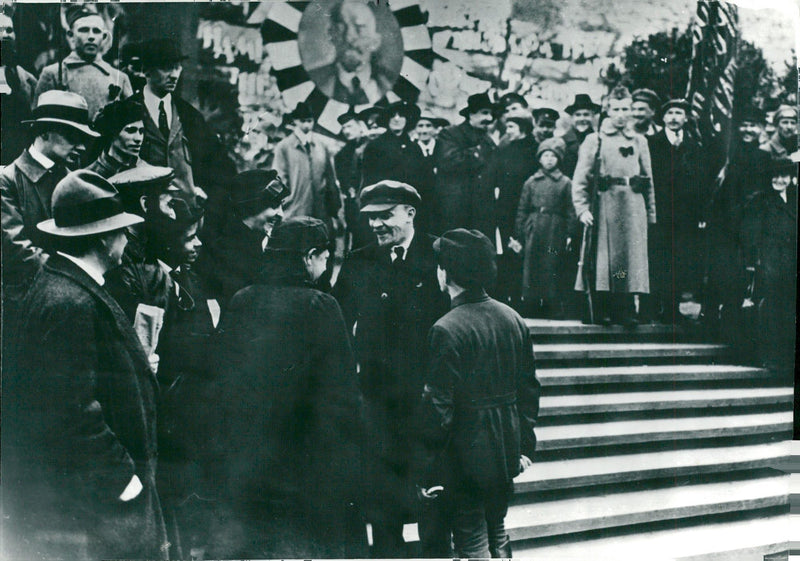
(175, 133)
(583, 112)
(79, 416)
(390, 300)
(462, 154)
(481, 398)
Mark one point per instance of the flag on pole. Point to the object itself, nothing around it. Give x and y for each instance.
(715, 35)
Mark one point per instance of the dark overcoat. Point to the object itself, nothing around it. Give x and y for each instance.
(482, 386)
(682, 186)
(622, 215)
(285, 418)
(545, 218)
(79, 421)
(26, 189)
(390, 307)
(510, 166)
(572, 142)
(462, 154)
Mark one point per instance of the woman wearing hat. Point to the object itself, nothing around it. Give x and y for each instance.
(79, 437)
(121, 125)
(288, 408)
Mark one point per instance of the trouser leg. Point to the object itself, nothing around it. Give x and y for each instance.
(470, 534)
(496, 510)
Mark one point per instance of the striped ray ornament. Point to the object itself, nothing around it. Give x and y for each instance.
(291, 32)
(715, 36)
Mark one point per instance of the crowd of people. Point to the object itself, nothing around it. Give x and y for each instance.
(200, 361)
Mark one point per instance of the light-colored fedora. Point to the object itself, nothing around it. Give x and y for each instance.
(65, 108)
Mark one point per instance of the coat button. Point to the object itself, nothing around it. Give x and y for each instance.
(384, 296)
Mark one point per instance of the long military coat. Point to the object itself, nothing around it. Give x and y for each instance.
(622, 216)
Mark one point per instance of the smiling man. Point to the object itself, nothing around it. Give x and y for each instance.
(390, 299)
(84, 71)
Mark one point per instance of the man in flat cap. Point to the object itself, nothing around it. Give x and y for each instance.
(79, 411)
(176, 135)
(783, 142)
(234, 253)
(744, 177)
(390, 300)
(286, 367)
(481, 398)
(84, 71)
(462, 154)
(544, 124)
(60, 131)
(643, 110)
(681, 186)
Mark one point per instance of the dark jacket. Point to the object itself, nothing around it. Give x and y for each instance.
(573, 140)
(390, 307)
(462, 153)
(195, 146)
(79, 419)
(15, 107)
(510, 166)
(398, 157)
(26, 189)
(482, 385)
(286, 414)
(232, 258)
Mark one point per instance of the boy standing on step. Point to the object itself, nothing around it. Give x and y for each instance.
(480, 403)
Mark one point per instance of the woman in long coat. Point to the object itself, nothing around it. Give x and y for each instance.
(621, 179)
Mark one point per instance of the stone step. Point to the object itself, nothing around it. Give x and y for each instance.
(741, 540)
(576, 377)
(552, 331)
(654, 430)
(662, 401)
(565, 352)
(584, 514)
(585, 472)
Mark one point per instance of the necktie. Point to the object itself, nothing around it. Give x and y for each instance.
(399, 252)
(357, 95)
(163, 126)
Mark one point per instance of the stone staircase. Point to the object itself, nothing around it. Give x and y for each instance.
(651, 447)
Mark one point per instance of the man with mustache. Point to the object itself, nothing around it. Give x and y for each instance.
(462, 154)
(16, 94)
(680, 182)
(175, 133)
(583, 111)
(84, 71)
(356, 77)
(61, 131)
(643, 110)
(390, 299)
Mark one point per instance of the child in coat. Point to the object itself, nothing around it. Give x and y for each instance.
(546, 222)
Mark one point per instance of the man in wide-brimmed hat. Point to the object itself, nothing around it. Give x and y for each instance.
(388, 292)
(305, 164)
(462, 153)
(278, 506)
(84, 71)
(583, 112)
(79, 436)
(681, 186)
(481, 399)
(61, 131)
(234, 255)
(176, 134)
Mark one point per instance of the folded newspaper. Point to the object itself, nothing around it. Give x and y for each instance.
(147, 324)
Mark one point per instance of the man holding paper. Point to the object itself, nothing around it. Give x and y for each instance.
(79, 424)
